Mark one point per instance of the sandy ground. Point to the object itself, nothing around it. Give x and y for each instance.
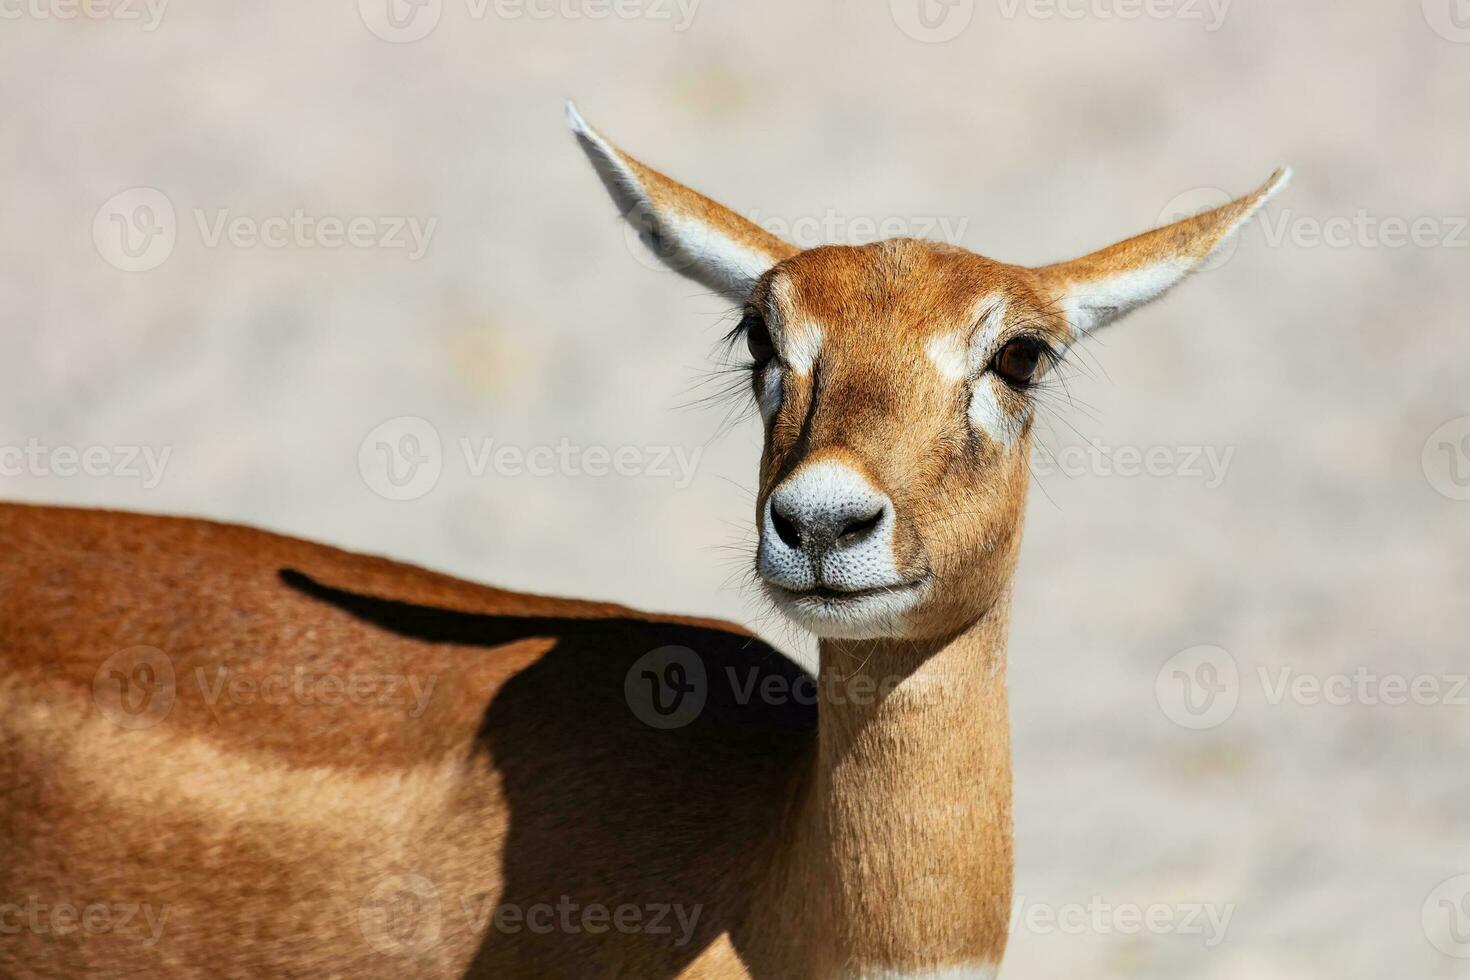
(1301, 514)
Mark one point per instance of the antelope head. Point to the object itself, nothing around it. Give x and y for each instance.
(897, 384)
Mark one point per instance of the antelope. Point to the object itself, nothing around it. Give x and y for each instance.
(231, 753)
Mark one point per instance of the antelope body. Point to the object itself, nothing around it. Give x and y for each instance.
(228, 753)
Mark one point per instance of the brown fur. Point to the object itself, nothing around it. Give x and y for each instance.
(265, 830)
(264, 834)
(866, 833)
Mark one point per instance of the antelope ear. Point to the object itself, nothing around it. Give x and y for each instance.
(1097, 289)
(688, 232)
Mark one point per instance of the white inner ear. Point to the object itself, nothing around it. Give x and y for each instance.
(678, 239)
(1091, 304)
(689, 246)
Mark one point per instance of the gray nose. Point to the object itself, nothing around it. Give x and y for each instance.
(818, 531)
(827, 526)
(818, 519)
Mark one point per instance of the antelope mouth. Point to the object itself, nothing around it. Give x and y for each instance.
(827, 594)
(856, 614)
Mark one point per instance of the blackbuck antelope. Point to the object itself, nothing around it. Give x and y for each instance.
(227, 753)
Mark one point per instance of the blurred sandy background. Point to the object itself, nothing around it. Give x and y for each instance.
(1332, 544)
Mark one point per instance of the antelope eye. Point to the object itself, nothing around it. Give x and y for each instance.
(1019, 360)
(757, 338)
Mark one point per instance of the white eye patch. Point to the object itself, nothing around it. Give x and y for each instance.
(964, 354)
(950, 356)
(801, 347)
(768, 400)
(987, 412)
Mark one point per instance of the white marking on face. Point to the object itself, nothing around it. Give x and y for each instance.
(769, 400)
(950, 356)
(802, 346)
(965, 352)
(983, 344)
(799, 341)
(989, 415)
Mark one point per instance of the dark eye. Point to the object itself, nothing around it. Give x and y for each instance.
(757, 338)
(1019, 360)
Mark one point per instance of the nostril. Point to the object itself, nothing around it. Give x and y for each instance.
(785, 529)
(855, 531)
